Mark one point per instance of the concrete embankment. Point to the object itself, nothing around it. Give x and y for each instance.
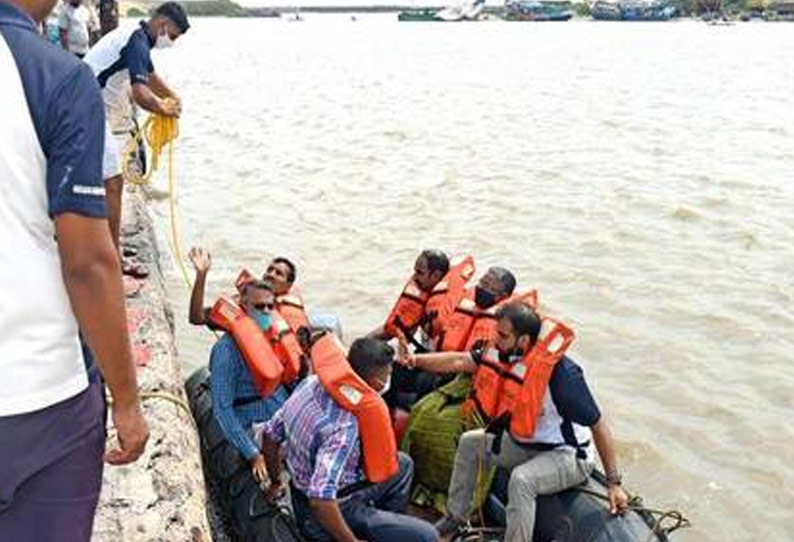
(162, 496)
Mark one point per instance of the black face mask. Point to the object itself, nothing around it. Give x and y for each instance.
(483, 298)
(511, 356)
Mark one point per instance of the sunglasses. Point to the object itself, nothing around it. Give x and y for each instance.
(264, 306)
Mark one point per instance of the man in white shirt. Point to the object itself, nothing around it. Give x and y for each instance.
(122, 64)
(60, 282)
(79, 27)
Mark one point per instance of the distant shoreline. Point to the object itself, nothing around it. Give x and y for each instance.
(228, 8)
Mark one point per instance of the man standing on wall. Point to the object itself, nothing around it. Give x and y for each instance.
(59, 280)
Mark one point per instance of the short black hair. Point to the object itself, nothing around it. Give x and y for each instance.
(175, 13)
(523, 319)
(505, 278)
(368, 355)
(436, 260)
(258, 284)
(291, 270)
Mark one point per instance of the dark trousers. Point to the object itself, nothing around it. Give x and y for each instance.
(375, 513)
(410, 385)
(51, 470)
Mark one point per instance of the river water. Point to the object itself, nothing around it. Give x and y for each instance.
(639, 175)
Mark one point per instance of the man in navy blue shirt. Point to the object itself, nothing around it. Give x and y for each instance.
(122, 64)
(555, 457)
(59, 278)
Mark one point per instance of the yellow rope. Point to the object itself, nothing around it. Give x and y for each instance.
(170, 397)
(158, 132)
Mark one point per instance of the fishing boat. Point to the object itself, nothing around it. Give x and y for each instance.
(603, 10)
(419, 15)
(534, 10)
(579, 514)
(647, 11)
(464, 11)
(634, 10)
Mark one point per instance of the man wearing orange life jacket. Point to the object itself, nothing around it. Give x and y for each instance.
(281, 273)
(340, 490)
(237, 397)
(478, 304)
(452, 320)
(542, 430)
(430, 267)
(405, 318)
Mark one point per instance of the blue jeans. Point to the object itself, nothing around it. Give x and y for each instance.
(374, 513)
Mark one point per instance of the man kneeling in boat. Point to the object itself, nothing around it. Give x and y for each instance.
(244, 375)
(281, 273)
(348, 482)
(541, 417)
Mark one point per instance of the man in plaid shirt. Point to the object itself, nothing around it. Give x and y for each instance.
(324, 460)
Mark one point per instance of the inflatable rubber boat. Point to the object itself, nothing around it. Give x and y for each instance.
(576, 515)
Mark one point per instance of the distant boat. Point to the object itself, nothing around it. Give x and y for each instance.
(633, 10)
(647, 11)
(535, 10)
(415, 15)
(465, 11)
(603, 10)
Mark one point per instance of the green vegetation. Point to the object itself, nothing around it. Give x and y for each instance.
(136, 12)
(214, 8)
(581, 9)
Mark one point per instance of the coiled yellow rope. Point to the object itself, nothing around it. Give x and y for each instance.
(158, 132)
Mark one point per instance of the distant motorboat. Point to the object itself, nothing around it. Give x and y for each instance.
(418, 15)
(633, 10)
(538, 10)
(466, 11)
(604, 10)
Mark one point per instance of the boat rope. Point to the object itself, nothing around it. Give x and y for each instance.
(147, 395)
(170, 397)
(158, 132)
(659, 516)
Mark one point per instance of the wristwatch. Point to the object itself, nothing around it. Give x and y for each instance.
(614, 479)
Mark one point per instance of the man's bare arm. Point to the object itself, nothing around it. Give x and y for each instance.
(92, 274)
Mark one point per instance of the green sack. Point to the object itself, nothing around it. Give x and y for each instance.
(432, 438)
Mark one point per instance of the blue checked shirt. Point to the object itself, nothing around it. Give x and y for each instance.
(323, 448)
(232, 382)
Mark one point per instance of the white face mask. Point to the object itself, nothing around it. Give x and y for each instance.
(164, 41)
(386, 385)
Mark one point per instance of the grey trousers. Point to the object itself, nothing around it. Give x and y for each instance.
(533, 473)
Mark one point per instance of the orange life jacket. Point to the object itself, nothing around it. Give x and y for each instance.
(447, 294)
(348, 390)
(263, 363)
(415, 305)
(243, 278)
(289, 305)
(286, 346)
(483, 327)
(469, 324)
(408, 310)
(518, 389)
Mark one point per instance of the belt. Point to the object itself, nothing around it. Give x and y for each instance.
(242, 401)
(343, 493)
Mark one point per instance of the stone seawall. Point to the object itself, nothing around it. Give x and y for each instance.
(162, 496)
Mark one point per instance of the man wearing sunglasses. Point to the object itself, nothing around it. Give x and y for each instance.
(236, 402)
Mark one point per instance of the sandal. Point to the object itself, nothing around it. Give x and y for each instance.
(134, 270)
